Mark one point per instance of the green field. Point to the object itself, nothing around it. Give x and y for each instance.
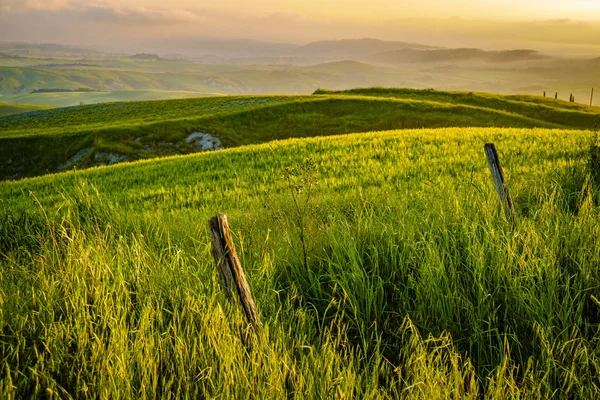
(121, 78)
(77, 137)
(414, 286)
(10, 109)
(76, 98)
(124, 79)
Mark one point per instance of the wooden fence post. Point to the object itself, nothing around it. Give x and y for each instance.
(230, 268)
(498, 178)
(592, 98)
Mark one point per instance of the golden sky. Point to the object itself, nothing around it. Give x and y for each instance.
(506, 9)
(487, 23)
(428, 8)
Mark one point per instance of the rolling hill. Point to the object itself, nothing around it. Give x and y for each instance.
(414, 285)
(83, 136)
(10, 109)
(57, 99)
(343, 65)
(382, 261)
(354, 49)
(454, 56)
(125, 79)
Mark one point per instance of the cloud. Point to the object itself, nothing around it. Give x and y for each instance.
(110, 23)
(563, 31)
(46, 4)
(101, 11)
(134, 15)
(95, 23)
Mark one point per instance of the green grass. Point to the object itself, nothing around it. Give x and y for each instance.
(537, 107)
(122, 75)
(416, 286)
(76, 98)
(19, 76)
(43, 142)
(10, 109)
(123, 78)
(70, 120)
(21, 81)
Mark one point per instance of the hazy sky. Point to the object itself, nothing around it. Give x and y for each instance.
(491, 23)
(514, 9)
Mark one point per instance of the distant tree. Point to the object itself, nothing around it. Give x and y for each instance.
(556, 95)
(544, 93)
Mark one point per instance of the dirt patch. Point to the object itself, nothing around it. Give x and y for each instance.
(204, 141)
(101, 158)
(80, 155)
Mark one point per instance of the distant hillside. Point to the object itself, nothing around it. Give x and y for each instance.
(49, 141)
(454, 55)
(196, 77)
(266, 68)
(121, 76)
(77, 98)
(20, 81)
(59, 90)
(223, 50)
(146, 57)
(10, 109)
(46, 50)
(354, 49)
(230, 48)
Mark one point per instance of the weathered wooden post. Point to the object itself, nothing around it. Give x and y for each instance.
(230, 268)
(592, 98)
(555, 95)
(498, 178)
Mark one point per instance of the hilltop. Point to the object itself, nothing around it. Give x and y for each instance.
(455, 56)
(83, 136)
(353, 49)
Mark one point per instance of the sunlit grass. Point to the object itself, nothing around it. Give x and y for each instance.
(42, 142)
(416, 285)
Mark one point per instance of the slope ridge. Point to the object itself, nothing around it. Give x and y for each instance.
(50, 141)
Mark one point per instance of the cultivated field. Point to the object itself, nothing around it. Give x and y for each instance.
(414, 285)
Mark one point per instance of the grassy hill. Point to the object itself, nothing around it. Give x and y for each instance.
(129, 75)
(76, 98)
(10, 109)
(460, 56)
(344, 66)
(415, 285)
(540, 108)
(83, 136)
(354, 48)
(20, 81)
